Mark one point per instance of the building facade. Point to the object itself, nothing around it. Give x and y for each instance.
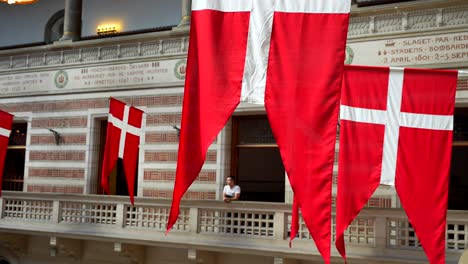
(54, 211)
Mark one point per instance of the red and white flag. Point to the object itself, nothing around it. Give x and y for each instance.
(122, 141)
(6, 121)
(287, 55)
(396, 129)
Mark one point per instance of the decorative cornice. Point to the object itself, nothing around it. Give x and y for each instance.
(417, 21)
(405, 19)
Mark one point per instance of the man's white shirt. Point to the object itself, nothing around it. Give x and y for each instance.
(231, 191)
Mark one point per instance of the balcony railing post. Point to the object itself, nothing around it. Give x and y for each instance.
(120, 215)
(193, 220)
(279, 225)
(55, 211)
(2, 208)
(381, 232)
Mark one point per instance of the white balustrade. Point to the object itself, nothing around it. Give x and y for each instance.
(78, 55)
(378, 231)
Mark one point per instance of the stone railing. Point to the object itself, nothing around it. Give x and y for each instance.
(377, 233)
(102, 53)
(400, 21)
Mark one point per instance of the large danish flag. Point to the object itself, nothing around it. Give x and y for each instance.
(287, 55)
(122, 141)
(396, 129)
(6, 122)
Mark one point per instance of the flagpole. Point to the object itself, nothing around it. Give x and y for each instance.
(463, 73)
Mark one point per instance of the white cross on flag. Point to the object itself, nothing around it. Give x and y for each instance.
(6, 121)
(122, 141)
(396, 129)
(287, 55)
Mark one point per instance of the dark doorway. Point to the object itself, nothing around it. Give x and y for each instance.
(458, 192)
(13, 172)
(54, 27)
(117, 180)
(458, 188)
(256, 161)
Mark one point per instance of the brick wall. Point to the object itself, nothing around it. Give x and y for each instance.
(462, 84)
(55, 189)
(56, 173)
(159, 149)
(189, 195)
(62, 168)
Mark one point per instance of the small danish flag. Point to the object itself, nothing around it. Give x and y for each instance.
(122, 141)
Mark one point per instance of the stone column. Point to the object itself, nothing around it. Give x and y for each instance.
(72, 21)
(186, 12)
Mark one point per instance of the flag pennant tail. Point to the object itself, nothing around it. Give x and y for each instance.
(361, 144)
(213, 83)
(357, 179)
(294, 222)
(302, 103)
(130, 158)
(422, 182)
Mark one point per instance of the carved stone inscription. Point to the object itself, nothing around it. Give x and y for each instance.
(435, 49)
(88, 78)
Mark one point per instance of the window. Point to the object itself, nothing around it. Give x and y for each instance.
(13, 172)
(256, 161)
(458, 188)
(54, 27)
(117, 181)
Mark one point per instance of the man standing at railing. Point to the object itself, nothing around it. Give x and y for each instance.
(231, 191)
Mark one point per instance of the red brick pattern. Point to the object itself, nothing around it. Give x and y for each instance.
(57, 155)
(60, 122)
(462, 84)
(172, 156)
(159, 175)
(376, 202)
(379, 202)
(164, 119)
(161, 137)
(80, 104)
(55, 189)
(56, 173)
(64, 139)
(190, 195)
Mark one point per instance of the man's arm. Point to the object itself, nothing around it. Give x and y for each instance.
(236, 194)
(225, 198)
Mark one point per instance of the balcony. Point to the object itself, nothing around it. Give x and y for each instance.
(259, 228)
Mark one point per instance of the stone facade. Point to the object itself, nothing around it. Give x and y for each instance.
(62, 87)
